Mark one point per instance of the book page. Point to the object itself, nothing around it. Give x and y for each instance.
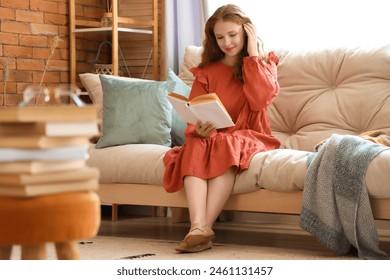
(205, 98)
(213, 112)
(181, 107)
(206, 107)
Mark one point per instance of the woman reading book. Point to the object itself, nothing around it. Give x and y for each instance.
(236, 68)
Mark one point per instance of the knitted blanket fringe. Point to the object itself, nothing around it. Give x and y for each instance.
(336, 207)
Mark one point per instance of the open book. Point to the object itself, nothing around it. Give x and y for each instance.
(206, 107)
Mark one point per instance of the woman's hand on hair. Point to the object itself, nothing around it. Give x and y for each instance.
(250, 30)
(204, 129)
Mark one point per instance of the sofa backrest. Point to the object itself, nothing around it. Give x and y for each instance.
(322, 92)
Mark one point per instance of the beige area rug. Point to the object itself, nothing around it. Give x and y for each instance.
(154, 238)
(122, 248)
(133, 248)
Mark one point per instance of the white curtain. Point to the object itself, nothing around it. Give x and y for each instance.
(184, 26)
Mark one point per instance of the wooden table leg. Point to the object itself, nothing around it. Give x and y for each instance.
(34, 252)
(5, 252)
(67, 250)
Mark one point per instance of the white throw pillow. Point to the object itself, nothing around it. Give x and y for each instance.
(192, 58)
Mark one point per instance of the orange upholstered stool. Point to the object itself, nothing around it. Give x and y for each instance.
(61, 219)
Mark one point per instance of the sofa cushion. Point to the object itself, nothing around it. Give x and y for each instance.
(279, 170)
(192, 58)
(178, 124)
(132, 163)
(135, 112)
(92, 84)
(330, 91)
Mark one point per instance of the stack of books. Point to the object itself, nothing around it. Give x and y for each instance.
(43, 150)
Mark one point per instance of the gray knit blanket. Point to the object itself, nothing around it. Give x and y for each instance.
(336, 207)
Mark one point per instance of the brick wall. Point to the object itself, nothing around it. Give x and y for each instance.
(34, 44)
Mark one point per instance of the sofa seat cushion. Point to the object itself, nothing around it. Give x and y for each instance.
(278, 170)
(131, 163)
(284, 170)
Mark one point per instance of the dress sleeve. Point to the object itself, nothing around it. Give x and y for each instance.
(260, 80)
(200, 85)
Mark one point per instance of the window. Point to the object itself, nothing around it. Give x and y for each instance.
(312, 24)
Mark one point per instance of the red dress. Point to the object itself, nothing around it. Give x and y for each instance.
(234, 146)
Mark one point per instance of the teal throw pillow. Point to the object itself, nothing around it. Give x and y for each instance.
(135, 112)
(178, 124)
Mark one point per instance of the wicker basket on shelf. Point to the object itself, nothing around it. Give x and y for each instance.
(99, 68)
(106, 68)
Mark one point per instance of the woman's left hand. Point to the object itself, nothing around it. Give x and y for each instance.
(250, 30)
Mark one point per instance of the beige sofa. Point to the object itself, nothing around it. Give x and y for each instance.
(322, 92)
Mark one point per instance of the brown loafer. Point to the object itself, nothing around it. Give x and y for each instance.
(184, 248)
(199, 235)
(197, 240)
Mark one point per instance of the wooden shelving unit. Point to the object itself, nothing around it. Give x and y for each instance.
(132, 25)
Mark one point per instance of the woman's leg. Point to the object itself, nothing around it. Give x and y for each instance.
(219, 190)
(198, 239)
(196, 193)
(205, 199)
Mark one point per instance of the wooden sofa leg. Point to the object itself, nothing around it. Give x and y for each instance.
(180, 215)
(114, 212)
(159, 211)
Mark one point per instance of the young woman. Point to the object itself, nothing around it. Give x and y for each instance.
(236, 68)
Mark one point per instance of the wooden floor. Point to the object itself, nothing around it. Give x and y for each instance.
(268, 230)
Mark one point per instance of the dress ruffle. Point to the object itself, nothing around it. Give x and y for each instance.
(200, 76)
